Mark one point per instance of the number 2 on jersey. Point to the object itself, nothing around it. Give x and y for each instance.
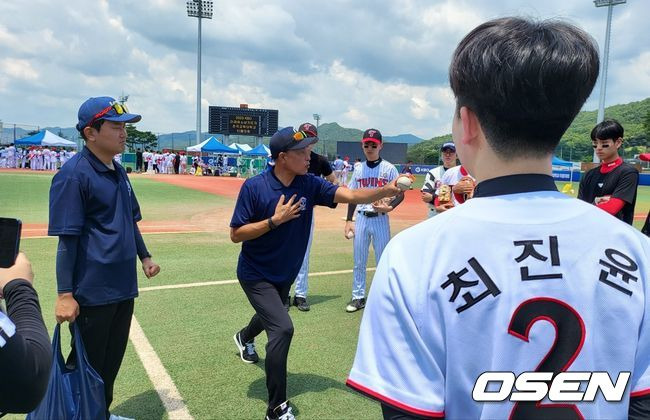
(569, 338)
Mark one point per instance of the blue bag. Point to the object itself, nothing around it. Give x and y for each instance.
(72, 394)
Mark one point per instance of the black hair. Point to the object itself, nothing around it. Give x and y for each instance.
(97, 125)
(607, 129)
(525, 81)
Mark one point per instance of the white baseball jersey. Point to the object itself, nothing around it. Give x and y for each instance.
(526, 278)
(368, 229)
(451, 177)
(367, 177)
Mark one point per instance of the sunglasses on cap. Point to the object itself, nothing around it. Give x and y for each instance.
(300, 135)
(116, 106)
(369, 144)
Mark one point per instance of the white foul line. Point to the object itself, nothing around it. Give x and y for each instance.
(167, 391)
(220, 282)
(162, 382)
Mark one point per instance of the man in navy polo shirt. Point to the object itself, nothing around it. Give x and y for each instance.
(272, 219)
(94, 212)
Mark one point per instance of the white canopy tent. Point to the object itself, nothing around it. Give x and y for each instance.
(241, 146)
(197, 147)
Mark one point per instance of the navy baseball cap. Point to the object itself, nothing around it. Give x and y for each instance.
(104, 108)
(371, 135)
(290, 139)
(448, 146)
(308, 128)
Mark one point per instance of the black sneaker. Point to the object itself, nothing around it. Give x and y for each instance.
(301, 303)
(356, 304)
(246, 350)
(281, 412)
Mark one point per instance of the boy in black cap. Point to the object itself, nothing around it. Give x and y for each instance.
(272, 219)
(372, 222)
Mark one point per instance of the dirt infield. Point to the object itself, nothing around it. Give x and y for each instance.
(411, 211)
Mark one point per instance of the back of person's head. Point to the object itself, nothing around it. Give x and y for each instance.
(525, 81)
(607, 129)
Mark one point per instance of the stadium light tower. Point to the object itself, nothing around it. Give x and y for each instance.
(317, 118)
(603, 75)
(200, 9)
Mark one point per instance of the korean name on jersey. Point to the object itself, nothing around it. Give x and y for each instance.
(517, 283)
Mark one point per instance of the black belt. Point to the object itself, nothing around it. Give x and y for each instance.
(371, 213)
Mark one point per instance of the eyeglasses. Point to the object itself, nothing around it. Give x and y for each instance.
(118, 107)
(367, 145)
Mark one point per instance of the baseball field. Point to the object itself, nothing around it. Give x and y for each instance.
(181, 360)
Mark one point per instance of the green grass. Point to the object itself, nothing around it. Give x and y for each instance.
(26, 197)
(191, 331)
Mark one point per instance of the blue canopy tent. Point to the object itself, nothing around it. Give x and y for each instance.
(563, 169)
(560, 162)
(212, 145)
(260, 150)
(45, 138)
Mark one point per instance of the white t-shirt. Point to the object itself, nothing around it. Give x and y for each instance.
(442, 312)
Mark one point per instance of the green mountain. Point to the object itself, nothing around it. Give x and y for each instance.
(576, 142)
(330, 133)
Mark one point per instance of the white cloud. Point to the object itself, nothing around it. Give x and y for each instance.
(362, 63)
(18, 69)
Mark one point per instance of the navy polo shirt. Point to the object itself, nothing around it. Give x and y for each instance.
(277, 255)
(89, 200)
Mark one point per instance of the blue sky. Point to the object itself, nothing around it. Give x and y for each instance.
(361, 63)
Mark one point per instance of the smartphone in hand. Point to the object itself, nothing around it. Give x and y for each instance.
(9, 241)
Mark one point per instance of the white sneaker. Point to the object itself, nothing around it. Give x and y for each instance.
(116, 417)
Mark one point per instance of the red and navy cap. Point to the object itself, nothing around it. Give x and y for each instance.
(371, 135)
(308, 128)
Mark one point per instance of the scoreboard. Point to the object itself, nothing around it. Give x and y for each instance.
(242, 121)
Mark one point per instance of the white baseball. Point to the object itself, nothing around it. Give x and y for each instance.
(350, 235)
(404, 183)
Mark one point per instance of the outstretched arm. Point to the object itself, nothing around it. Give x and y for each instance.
(366, 195)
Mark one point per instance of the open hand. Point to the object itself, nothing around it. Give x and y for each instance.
(285, 212)
(381, 206)
(391, 189)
